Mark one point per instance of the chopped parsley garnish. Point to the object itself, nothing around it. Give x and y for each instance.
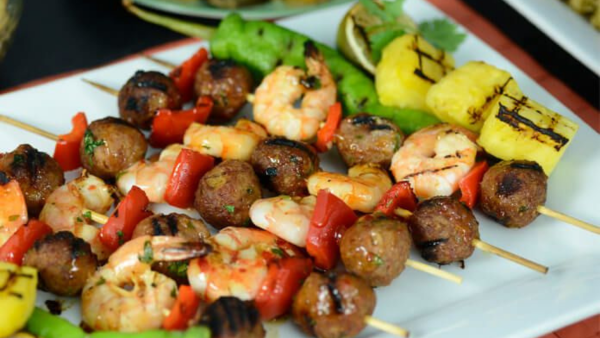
(90, 144)
(87, 214)
(101, 281)
(377, 260)
(178, 269)
(13, 218)
(278, 252)
(121, 239)
(230, 208)
(148, 255)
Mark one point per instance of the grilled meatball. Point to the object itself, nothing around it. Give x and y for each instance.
(144, 94)
(364, 139)
(173, 224)
(443, 229)
(64, 263)
(38, 175)
(230, 317)
(284, 165)
(111, 145)
(511, 191)
(333, 305)
(225, 194)
(227, 83)
(376, 248)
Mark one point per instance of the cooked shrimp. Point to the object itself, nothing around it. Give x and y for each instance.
(125, 294)
(434, 159)
(229, 143)
(275, 98)
(13, 210)
(64, 209)
(238, 264)
(151, 177)
(361, 189)
(285, 216)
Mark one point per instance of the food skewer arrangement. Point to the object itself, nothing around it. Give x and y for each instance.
(279, 218)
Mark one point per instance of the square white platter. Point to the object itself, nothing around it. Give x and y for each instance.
(497, 297)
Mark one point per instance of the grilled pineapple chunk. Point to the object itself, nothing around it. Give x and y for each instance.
(409, 66)
(465, 96)
(17, 296)
(520, 128)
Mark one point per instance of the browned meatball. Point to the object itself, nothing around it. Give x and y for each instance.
(144, 94)
(511, 191)
(64, 263)
(376, 248)
(443, 229)
(363, 139)
(111, 145)
(284, 165)
(38, 175)
(227, 83)
(333, 305)
(225, 194)
(173, 224)
(229, 317)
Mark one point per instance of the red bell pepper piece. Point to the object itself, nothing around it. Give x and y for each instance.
(399, 196)
(330, 219)
(66, 150)
(169, 126)
(119, 227)
(185, 75)
(325, 135)
(190, 166)
(283, 280)
(469, 185)
(17, 245)
(183, 310)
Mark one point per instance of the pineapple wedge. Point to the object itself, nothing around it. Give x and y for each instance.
(409, 66)
(17, 296)
(520, 128)
(465, 96)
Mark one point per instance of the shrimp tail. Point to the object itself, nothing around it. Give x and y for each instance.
(187, 250)
(311, 51)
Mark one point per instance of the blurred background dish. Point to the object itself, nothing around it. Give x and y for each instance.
(249, 9)
(10, 12)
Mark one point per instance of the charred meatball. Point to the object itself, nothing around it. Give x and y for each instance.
(64, 263)
(144, 94)
(443, 229)
(284, 165)
(376, 248)
(333, 305)
(38, 175)
(173, 224)
(226, 192)
(227, 83)
(111, 145)
(230, 317)
(364, 139)
(511, 191)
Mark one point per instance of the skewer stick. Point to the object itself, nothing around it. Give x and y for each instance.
(568, 219)
(96, 217)
(28, 127)
(481, 245)
(161, 62)
(434, 271)
(102, 87)
(386, 327)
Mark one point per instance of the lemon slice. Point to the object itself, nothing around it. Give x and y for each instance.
(352, 36)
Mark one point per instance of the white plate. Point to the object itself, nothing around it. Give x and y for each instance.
(497, 298)
(565, 26)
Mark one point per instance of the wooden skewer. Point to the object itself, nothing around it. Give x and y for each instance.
(102, 87)
(96, 217)
(434, 271)
(568, 219)
(387, 327)
(28, 127)
(481, 245)
(160, 61)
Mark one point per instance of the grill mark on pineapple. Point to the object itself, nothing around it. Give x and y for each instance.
(476, 113)
(421, 54)
(431, 171)
(513, 119)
